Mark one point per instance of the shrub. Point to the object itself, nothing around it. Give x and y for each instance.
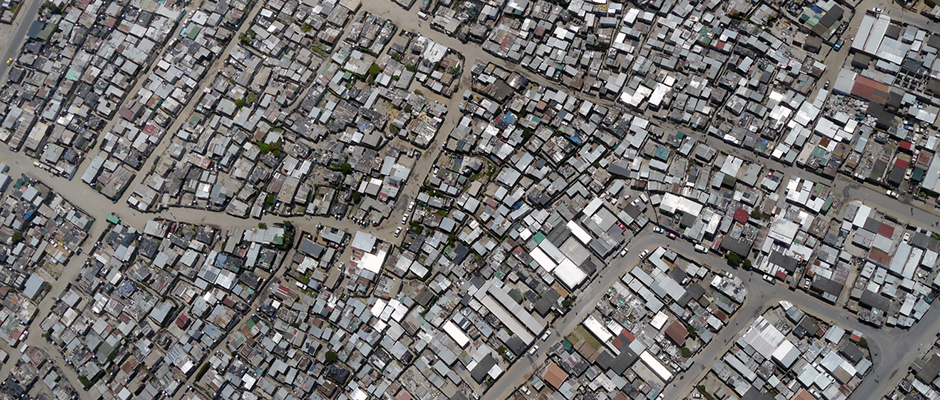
(331, 357)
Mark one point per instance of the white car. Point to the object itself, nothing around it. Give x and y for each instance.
(769, 279)
(644, 254)
(398, 231)
(623, 252)
(701, 249)
(533, 349)
(892, 193)
(907, 236)
(404, 218)
(411, 206)
(548, 332)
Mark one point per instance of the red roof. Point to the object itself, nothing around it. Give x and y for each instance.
(628, 335)
(870, 90)
(677, 332)
(741, 216)
(886, 230)
(905, 145)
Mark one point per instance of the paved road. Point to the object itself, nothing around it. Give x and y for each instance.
(24, 20)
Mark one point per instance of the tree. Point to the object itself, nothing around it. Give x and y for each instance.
(356, 197)
(747, 263)
(686, 352)
(331, 357)
(17, 237)
(733, 258)
(408, 108)
(345, 168)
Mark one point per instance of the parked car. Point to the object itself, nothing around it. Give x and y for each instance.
(404, 218)
(398, 231)
(533, 349)
(769, 279)
(658, 230)
(701, 249)
(411, 206)
(892, 193)
(826, 86)
(671, 235)
(644, 253)
(623, 252)
(547, 333)
(907, 236)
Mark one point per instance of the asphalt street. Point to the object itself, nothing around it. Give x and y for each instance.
(23, 21)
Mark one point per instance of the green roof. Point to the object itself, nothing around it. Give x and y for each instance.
(193, 32)
(538, 237)
(113, 219)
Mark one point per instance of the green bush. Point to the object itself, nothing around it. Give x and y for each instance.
(686, 352)
(331, 357)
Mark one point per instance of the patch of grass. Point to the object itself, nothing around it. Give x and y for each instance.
(419, 92)
(305, 28)
(85, 382)
(701, 389)
(202, 372)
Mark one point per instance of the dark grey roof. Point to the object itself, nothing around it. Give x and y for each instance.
(928, 369)
(624, 360)
(785, 262)
(874, 300)
(871, 225)
(852, 353)
(545, 303)
(479, 372)
(516, 346)
(740, 247)
(604, 360)
(826, 285)
(755, 394)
